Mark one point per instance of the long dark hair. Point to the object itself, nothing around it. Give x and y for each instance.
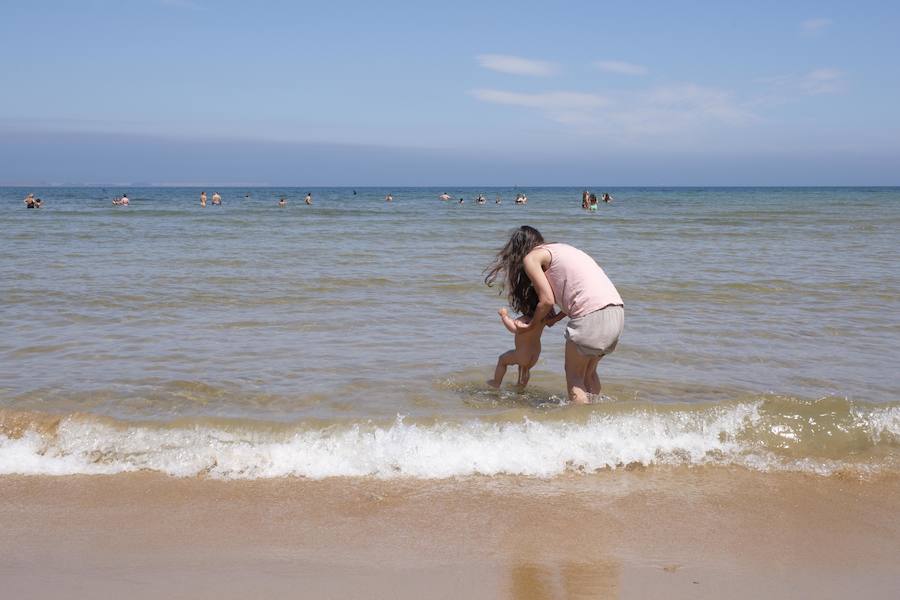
(509, 262)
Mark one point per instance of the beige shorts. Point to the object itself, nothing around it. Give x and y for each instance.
(597, 333)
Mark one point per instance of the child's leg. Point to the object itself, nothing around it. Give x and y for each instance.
(524, 375)
(505, 359)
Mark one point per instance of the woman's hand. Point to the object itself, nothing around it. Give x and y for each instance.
(554, 318)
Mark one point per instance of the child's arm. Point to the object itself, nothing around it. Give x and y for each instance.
(511, 324)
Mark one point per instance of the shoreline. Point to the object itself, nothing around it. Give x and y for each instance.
(662, 532)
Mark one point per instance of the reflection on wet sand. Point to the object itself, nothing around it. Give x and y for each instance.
(564, 581)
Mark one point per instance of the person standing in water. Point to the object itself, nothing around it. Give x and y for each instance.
(607, 198)
(203, 199)
(563, 275)
(389, 198)
(216, 199)
(308, 198)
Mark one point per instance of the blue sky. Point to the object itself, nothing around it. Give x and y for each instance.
(416, 93)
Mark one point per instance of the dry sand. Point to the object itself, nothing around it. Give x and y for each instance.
(659, 533)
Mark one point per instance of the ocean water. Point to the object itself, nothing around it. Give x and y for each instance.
(354, 336)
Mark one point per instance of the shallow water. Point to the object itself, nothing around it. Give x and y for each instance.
(353, 311)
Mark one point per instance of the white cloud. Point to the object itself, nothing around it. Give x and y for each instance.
(660, 111)
(620, 67)
(816, 82)
(563, 107)
(815, 25)
(699, 102)
(516, 65)
(543, 100)
(674, 116)
(822, 81)
(181, 4)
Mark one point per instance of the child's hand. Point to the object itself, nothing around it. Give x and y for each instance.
(502, 312)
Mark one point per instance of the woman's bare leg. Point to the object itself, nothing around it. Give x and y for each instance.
(591, 379)
(576, 369)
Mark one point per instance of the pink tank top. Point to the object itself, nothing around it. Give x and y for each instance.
(579, 284)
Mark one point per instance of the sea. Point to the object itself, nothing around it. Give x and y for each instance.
(353, 337)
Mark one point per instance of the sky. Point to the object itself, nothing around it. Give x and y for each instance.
(449, 93)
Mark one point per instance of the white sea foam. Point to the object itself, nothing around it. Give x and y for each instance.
(402, 449)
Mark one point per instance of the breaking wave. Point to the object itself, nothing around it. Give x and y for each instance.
(821, 437)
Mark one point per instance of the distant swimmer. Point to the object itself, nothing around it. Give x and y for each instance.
(203, 199)
(585, 196)
(480, 199)
(282, 202)
(354, 192)
(389, 198)
(607, 198)
(592, 203)
(217, 199)
(308, 198)
(462, 201)
(247, 195)
(521, 198)
(498, 200)
(29, 201)
(121, 200)
(445, 196)
(38, 203)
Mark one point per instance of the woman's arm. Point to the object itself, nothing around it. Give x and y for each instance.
(534, 264)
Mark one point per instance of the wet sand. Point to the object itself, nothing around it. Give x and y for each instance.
(655, 533)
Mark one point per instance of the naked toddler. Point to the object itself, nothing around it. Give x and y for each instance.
(527, 347)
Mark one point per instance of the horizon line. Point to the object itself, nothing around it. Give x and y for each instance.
(400, 187)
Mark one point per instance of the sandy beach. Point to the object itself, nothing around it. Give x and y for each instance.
(655, 533)
(309, 300)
